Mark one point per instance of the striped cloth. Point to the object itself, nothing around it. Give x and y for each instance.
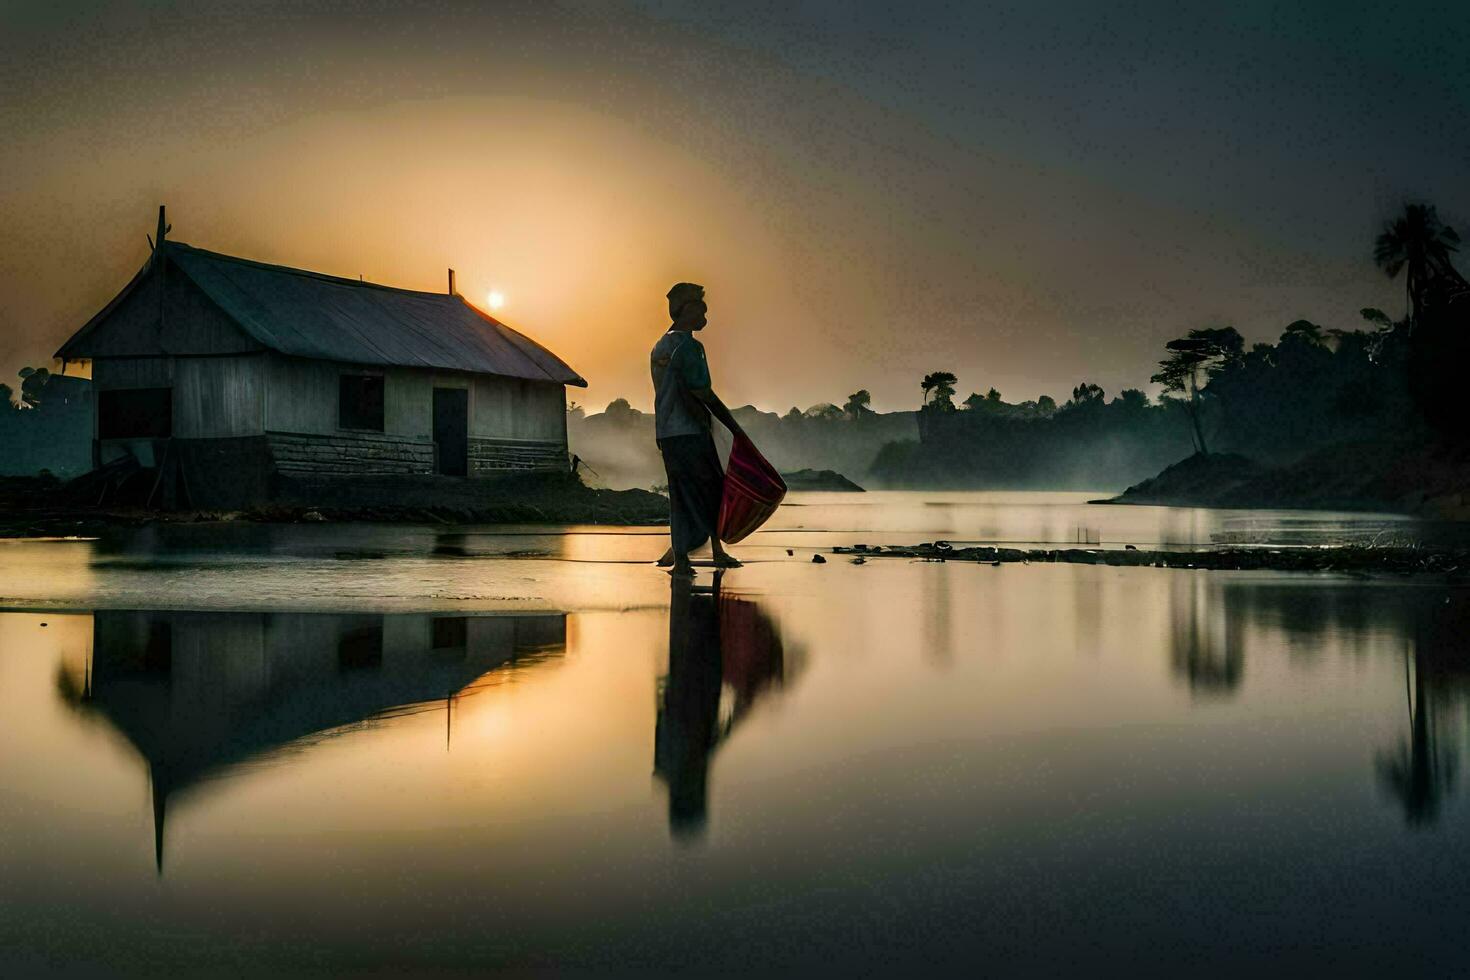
(753, 491)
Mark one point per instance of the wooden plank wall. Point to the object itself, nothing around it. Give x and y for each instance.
(219, 396)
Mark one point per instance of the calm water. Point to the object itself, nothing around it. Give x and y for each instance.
(324, 749)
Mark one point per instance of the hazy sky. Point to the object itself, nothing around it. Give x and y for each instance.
(1027, 195)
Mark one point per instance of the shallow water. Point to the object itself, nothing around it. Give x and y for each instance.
(331, 748)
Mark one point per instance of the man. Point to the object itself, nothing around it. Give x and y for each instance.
(683, 403)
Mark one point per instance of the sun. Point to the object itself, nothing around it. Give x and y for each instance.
(496, 299)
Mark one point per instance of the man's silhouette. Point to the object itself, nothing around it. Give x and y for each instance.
(683, 403)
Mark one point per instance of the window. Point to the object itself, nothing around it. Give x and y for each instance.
(360, 648)
(360, 402)
(135, 413)
(450, 632)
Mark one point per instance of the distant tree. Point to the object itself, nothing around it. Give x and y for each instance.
(1131, 398)
(1303, 332)
(576, 411)
(1047, 404)
(32, 381)
(1086, 393)
(6, 394)
(939, 390)
(1376, 317)
(857, 404)
(824, 410)
(1192, 360)
(993, 396)
(974, 403)
(1418, 244)
(618, 410)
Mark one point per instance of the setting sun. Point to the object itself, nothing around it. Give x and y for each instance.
(496, 299)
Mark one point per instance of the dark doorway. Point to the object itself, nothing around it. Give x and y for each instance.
(451, 430)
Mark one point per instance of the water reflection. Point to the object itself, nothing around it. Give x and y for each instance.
(1207, 636)
(1215, 622)
(197, 693)
(1420, 770)
(724, 654)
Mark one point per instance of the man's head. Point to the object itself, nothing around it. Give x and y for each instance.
(691, 316)
(682, 295)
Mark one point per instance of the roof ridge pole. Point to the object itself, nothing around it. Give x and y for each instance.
(158, 262)
(452, 290)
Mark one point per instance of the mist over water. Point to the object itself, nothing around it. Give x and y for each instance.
(452, 749)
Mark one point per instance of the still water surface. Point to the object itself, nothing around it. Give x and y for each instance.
(332, 748)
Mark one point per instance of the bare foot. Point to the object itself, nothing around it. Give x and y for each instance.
(723, 559)
(682, 569)
(667, 559)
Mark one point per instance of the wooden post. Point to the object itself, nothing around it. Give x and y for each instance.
(451, 283)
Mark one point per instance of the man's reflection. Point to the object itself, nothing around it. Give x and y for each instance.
(716, 642)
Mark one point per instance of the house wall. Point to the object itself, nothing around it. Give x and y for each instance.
(219, 396)
(301, 421)
(514, 425)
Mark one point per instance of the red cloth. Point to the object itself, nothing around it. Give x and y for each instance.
(753, 491)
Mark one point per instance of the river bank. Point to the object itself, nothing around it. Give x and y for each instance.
(1453, 563)
(43, 507)
(1407, 478)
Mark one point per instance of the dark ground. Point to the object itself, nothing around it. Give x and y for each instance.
(1427, 480)
(41, 506)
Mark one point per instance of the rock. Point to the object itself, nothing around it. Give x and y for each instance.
(818, 560)
(820, 480)
(313, 515)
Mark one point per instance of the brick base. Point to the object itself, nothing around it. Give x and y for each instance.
(348, 454)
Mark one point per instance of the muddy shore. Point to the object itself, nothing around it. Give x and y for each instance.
(1346, 559)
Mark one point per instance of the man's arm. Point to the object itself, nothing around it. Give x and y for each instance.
(718, 410)
(696, 376)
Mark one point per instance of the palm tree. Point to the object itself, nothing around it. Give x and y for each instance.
(1418, 244)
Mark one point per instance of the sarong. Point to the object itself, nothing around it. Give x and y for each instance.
(696, 483)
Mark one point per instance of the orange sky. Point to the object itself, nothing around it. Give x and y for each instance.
(857, 222)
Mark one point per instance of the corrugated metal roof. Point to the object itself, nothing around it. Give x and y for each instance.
(307, 314)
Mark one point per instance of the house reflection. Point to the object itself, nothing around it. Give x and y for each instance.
(725, 653)
(197, 693)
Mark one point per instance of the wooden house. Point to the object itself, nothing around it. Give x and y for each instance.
(239, 378)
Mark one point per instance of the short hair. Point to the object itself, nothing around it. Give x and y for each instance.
(682, 293)
(679, 290)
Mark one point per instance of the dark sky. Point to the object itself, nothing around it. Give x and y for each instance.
(1027, 195)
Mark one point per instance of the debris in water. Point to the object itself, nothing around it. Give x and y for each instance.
(818, 560)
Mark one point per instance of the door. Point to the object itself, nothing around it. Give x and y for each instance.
(451, 430)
